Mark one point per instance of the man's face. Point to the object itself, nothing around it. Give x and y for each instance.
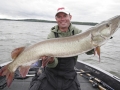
(63, 20)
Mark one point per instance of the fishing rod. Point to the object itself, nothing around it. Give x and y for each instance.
(98, 80)
(94, 83)
(95, 79)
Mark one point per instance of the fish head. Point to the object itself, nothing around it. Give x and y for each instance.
(102, 32)
(109, 27)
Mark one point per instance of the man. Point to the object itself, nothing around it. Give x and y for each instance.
(58, 73)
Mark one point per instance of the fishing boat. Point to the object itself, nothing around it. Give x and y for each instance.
(89, 76)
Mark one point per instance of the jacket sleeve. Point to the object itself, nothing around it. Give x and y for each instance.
(77, 31)
(54, 64)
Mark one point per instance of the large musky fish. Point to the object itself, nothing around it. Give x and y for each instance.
(93, 38)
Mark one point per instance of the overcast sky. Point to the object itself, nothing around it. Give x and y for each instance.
(81, 10)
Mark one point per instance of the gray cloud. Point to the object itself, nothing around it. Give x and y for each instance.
(81, 10)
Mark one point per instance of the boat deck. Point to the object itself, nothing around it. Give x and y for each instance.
(23, 84)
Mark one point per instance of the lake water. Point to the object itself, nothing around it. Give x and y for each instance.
(14, 34)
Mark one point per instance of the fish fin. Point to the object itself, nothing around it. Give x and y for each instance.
(16, 52)
(24, 70)
(98, 52)
(9, 75)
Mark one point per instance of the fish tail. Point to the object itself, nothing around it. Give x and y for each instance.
(9, 75)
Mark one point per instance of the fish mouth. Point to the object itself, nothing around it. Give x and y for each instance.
(117, 24)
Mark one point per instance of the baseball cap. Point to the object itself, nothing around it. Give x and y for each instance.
(62, 9)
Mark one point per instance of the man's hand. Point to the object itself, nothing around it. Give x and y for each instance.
(46, 60)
